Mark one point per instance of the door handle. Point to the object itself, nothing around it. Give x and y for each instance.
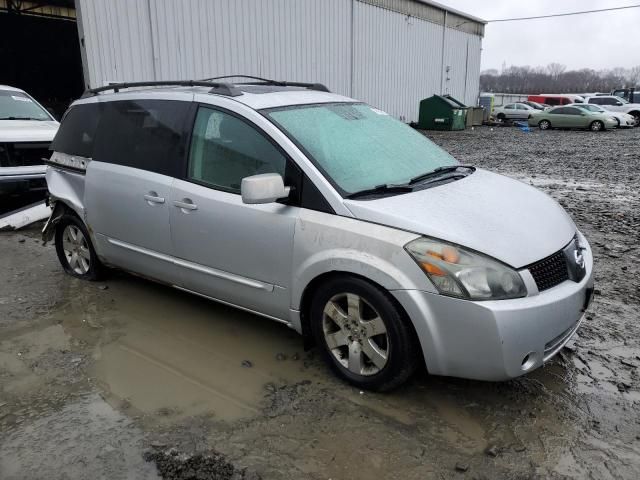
(153, 198)
(185, 205)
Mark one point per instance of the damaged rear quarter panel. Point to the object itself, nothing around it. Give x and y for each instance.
(68, 187)
(331, 243)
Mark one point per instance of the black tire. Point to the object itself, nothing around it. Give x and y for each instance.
(544, 125)
(501, 117)
(636, 115)
(402, 349)
(596, 126)
(94, 268)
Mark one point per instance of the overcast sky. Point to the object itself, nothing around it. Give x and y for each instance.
(595, 40)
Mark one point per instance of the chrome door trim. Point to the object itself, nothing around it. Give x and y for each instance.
(276, 319)
(247, 282)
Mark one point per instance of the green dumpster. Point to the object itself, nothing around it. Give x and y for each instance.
(442, 112)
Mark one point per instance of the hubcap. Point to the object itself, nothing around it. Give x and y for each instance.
(595, 126)
(76, 249)
(355, 334)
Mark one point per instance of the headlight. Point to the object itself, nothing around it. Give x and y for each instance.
(458, 272)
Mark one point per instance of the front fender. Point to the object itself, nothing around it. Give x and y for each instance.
(326, 243)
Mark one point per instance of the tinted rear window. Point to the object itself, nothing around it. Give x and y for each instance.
(145, 134)
(77, 131)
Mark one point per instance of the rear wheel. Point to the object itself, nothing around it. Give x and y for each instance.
(544, 124)
(362, 334)
(596, 126)
(75, 251)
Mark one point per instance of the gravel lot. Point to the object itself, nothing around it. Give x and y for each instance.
(130, 379)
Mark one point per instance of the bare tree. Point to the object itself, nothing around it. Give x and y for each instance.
(556, 69)
(633, 77)
(556, 79)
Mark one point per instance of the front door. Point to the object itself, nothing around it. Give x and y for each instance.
(576, 117)
(225, 249)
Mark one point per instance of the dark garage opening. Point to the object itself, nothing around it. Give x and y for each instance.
(40, 51)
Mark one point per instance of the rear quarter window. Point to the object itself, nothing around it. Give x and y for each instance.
(77, 131)
(144, 134)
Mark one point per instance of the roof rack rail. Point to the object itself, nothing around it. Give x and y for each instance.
(266, 81)
(220, 88)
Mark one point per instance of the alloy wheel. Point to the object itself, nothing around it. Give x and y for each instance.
(596, 126)
(355, 334)
(76, 249)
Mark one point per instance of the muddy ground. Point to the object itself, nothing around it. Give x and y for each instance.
(127, 379)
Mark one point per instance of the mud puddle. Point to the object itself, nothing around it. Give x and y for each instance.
(170, 354)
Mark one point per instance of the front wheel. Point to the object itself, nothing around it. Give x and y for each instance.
(596, 126)
(544, 125)
(636, 118)
(75, 251)
(363, 335)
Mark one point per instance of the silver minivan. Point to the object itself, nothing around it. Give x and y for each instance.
(325, 214)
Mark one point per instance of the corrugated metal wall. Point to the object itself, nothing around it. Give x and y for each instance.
(397, 60)
(372, 53)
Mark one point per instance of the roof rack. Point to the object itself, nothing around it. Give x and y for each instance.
(266, 81)
(220, 88)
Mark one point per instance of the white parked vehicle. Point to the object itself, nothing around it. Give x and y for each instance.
(513, 111)
(616, 104)
(624, 119)
(26, 131)
(325, 214)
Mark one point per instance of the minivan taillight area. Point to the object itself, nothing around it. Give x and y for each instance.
(23, 154)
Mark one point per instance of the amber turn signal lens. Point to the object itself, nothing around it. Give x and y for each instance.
(449, 254)
(432, 269)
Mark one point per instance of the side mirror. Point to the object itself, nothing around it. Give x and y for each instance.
(618, 104)
(263, 188)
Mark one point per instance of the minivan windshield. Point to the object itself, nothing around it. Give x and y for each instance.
(18, 106)
(359, 147)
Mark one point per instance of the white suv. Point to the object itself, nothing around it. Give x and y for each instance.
(26, 131)
(325, 214)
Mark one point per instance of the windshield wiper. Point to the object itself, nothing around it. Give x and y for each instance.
(19, 118)
(438, 172)
(381, 190)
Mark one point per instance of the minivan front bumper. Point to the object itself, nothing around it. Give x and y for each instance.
(500, 339)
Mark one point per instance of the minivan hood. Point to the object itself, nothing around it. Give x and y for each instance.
(28, 130)
(493, 214)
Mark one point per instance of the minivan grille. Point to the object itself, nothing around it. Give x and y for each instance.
(550, 271)
(23, 154)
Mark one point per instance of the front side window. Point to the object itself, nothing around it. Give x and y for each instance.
(225, 149)
(18, 106)
(358, 147)
(511, 106)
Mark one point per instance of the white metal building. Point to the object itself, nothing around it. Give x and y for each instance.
(389, 53)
